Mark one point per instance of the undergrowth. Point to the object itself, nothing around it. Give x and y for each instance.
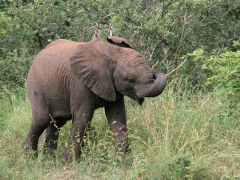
(178, 135)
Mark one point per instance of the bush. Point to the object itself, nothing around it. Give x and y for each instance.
(162, 31)
(223, 71)
(14, 69)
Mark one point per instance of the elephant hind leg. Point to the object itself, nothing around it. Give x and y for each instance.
(52, 133)
(31, 141)
(41, 120)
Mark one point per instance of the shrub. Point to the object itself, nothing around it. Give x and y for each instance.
(14, 69)
(223, 71)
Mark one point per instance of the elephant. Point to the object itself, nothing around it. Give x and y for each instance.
(69, 80)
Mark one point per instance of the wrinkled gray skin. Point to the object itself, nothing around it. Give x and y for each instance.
(69, 80)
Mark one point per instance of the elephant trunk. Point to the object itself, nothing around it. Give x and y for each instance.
(158, 86)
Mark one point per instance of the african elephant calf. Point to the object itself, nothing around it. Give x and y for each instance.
(69, 80)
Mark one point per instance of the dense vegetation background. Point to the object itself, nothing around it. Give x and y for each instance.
(201, 100)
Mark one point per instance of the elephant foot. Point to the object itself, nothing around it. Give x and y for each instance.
(72, 155)
(123, 147)
(70, 158)
(28, 150)
(50, 153)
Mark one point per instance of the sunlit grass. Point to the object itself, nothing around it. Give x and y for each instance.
(179, 135)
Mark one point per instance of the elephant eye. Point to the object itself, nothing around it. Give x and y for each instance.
(151, 81)
(132, 81)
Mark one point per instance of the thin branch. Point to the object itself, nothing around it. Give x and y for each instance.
(219, 51)
(111, 14)
(9, 2)
(161, 61)
(177, 67)
(98, 26)
(39, 40)
(155, 46)
(194, 27)
(53, 121)
(111, 29)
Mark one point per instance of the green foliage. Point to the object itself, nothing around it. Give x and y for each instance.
(162, 31)
(14, 69)
(223, 71)
(40, 22)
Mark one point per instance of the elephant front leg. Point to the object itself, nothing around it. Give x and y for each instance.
(120, 136)
(81, 123)
(116, 116)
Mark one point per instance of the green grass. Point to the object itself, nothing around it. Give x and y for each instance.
(179, 135)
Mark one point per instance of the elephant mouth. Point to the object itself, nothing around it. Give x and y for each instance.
(133, 96)
(139, 100)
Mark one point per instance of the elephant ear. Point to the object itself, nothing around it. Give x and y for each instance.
(119, 42)
(93, 69)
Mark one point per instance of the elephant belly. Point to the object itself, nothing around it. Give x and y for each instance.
(60, 108)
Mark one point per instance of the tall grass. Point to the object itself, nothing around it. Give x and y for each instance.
(179, 135)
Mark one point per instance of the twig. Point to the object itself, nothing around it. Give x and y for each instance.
(219, 51)
(155, 47)
(39, 40)
(161, 61)
(105, 17)
(97, 26)
(53, 121)
(111, 29)
(177, 67)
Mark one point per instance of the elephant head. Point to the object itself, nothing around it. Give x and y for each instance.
(107, 67)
